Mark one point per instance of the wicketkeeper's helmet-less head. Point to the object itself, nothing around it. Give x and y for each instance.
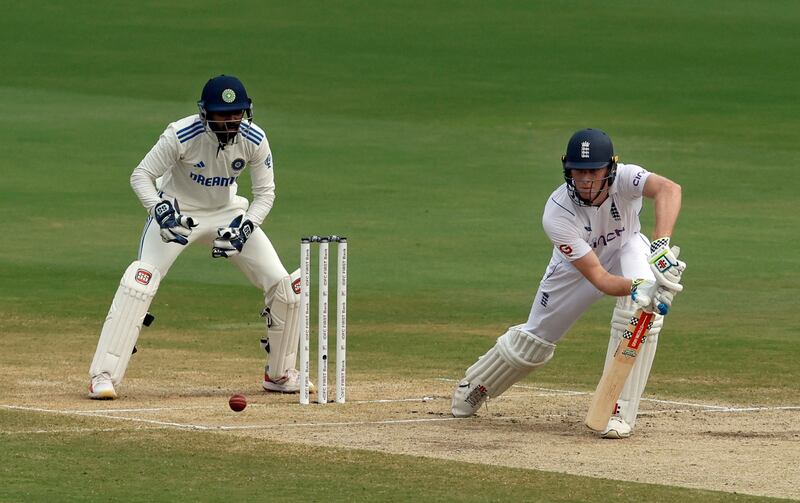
(225, 95)
(589, 149)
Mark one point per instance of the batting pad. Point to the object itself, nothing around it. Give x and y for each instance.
(124, 320)
(283, 325)
(628, 403)
(515, 355)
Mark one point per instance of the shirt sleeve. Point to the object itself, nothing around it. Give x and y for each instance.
(564, 234)
(161, 157)
(630, 181)
(263, 184)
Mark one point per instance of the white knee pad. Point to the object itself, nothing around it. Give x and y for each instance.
(124, 320)
(628, 403)
(283, 326)
(513, 357)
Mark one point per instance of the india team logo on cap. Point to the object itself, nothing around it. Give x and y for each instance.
(584, 150)
(228, 95)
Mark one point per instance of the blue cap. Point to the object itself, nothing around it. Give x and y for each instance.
(589, 149)
(224, 93)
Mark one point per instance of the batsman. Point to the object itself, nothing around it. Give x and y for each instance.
(188, 185)
(598, 249)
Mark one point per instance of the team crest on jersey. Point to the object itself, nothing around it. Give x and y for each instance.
(142, 276)
(228, 95)
(238, 164)
(296, 286)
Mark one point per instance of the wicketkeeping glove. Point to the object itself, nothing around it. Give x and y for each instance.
(650, 296)
(230, 240)
(175, 228)
(665, 265)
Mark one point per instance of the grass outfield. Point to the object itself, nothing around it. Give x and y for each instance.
(429, 133)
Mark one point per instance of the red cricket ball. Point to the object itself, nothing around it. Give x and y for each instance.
(237, 403)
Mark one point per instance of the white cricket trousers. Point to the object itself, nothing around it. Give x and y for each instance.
(564, 294)
(258, 260)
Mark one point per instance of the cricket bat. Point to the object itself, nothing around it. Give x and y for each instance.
(604, 399)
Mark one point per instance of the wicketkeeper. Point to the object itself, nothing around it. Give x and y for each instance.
(187, 183)
(593, 221)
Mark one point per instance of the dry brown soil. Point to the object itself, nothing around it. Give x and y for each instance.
(690, 445)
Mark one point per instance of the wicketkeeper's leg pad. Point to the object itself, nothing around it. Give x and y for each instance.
(283, 326)
(136, 290)
(628, 403)
(516, 354)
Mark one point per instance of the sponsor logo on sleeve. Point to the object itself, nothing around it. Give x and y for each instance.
(268, 162)
(638, 178)
(565, 249)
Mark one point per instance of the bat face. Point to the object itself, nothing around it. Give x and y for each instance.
(604, 399)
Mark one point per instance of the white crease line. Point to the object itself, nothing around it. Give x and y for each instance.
(107, 414)
(151, 421)
(101, 412)
(345, 423)
(423, 399)
(756, 409)
(688, 404)
(89, 414)
(707, 407)
(248, 427)
(150, 409)
(550, 391)
(721, 410)
(80, 430)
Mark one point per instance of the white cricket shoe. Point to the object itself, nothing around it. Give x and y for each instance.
(287, 383)
(616, 428)
(467, 399)
(101, 387)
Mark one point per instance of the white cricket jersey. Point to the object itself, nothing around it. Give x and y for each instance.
(186, 163)
(575, 230)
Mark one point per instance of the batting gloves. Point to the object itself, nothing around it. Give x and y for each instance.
(665, 265)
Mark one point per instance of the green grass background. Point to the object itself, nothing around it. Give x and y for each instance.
(430, 134)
